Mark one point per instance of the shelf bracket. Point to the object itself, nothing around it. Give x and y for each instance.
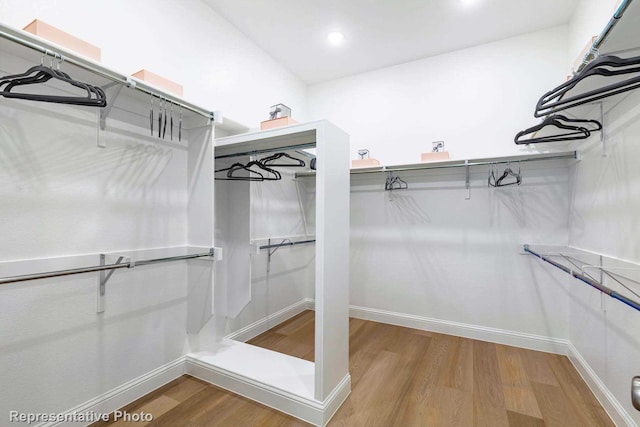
(467, 180)
(603, 139)
(103, 278)
(105, 111)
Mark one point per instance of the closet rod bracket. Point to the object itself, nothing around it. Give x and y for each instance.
(215, 118)
(104, 111)
(603, 139)
(103, 278)
(467, 180)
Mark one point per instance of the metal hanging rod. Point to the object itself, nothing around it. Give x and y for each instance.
(279, 245)
(266, 150)
(583, 278)
(597, 44)
(130, 264)
(33, 42)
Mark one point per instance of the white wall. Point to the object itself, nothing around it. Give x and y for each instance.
(62, 196)
(183, 40)
(427, 251)
(604, 219)
(475, 99)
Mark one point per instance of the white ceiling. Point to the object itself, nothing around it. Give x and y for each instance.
(380, 33)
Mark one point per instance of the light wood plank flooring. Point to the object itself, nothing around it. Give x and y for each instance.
(401, 377)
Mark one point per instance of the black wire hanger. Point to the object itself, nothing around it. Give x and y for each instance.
(274, 175)
(394, 182)
(566, 130)
(256, 172)
(236, 167)
(95, 96)
(500, 182)
(268, 161)
(559, 98)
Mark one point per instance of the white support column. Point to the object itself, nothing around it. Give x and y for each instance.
(332, 259)
(201, 232)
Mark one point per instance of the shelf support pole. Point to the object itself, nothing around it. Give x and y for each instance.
(103, 278)
(467, 180)
(603, 139)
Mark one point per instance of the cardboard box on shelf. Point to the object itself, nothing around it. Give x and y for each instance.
(282, 121)
(434, 157)
(64, 39)
(159, 82)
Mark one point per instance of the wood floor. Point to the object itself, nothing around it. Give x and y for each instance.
(401, 377)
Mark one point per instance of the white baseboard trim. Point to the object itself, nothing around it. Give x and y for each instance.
(126, 393)
(336, 398)
(482, 333)
(309, 410)
(608, 401)
(268, 322)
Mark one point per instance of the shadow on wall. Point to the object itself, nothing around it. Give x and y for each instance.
(17, 158)
(19, 154)
(550, 278)
(71, 152)
(510, 198)
(98, 323)
(138, 169)
(400, 229)
(402, 208)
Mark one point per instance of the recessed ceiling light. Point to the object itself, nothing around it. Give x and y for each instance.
(468, 2)
(335, 38)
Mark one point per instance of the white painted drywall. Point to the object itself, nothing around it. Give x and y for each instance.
(62, 196)
(475, 99)
(604, 219)
(427, 251)
(185, 41)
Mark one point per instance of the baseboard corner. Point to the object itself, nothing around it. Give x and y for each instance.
(465, 330)
(611, 405)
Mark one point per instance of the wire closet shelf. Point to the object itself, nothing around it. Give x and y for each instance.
(577, 270)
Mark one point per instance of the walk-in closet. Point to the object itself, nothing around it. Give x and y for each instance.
(345, 213)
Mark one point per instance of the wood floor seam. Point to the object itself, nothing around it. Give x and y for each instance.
(401, 377)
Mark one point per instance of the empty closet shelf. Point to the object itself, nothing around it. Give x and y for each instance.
(586, 278)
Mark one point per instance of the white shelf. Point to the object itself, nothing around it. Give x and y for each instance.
(28, 47)
(303, 134)
(285, 373)
(444, 164)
